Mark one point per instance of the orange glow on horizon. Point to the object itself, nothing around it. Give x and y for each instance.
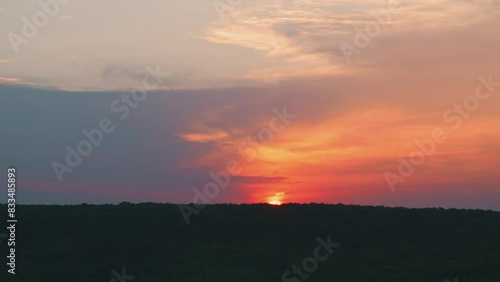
(276, 200)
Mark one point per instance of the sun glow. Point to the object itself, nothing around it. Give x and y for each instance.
(276, 199)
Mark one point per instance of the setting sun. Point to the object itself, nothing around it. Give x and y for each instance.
(276, 200)
(275, 203)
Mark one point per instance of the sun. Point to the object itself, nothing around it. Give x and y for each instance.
(275, 203)
(276, 200)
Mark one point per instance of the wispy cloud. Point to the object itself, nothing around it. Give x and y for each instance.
(10, 80)
(5, 61)
(18, 81)
(204, 137)
(66, 18)
(307, 34)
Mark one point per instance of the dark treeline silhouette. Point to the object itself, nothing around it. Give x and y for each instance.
(259, 242)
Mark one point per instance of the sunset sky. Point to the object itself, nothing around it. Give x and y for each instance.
(225, 71)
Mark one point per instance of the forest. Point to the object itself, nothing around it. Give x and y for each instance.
(252, 242)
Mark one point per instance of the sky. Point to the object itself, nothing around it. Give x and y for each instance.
(358, 102)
